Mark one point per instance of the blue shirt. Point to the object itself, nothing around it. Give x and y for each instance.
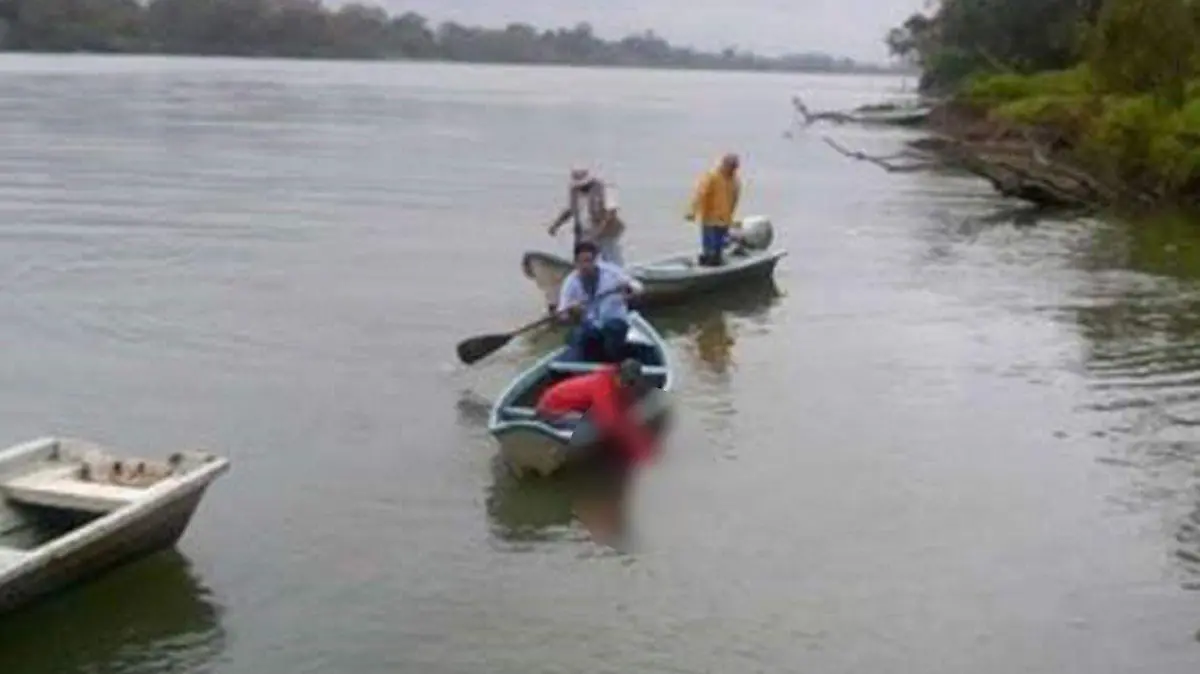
(606, 308)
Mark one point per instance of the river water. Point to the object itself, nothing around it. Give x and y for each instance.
(953, 441)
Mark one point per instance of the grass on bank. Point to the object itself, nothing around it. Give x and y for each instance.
(1143, 139)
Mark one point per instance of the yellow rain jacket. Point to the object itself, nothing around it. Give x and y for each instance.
(715, 200)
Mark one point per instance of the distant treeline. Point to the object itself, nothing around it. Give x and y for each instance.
(307, 29)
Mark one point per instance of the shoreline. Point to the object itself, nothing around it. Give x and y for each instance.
(1044, 165)
(881, 72)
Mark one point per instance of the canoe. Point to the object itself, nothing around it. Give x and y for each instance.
(70, 509)
(897, 116)
(892, 118)
(668, 280)
(680, 277)
(529, 444)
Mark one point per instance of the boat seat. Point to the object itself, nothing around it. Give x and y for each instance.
(530, 413)
(568, 367)
(60, 488)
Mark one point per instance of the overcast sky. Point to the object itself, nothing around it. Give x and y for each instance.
(853, 28)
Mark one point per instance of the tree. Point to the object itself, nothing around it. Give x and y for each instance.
(411, 36)
(1145, 46)
(966, 36)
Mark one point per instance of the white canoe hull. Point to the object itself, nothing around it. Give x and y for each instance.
(66, 514)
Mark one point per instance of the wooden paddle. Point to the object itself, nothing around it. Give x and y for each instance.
(474, 349)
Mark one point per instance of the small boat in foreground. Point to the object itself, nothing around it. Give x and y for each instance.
(70, 509)
(529, 443)
(675, 278)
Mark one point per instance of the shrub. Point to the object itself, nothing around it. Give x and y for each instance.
(1070, 115)
(998, 89)
(1144, 140)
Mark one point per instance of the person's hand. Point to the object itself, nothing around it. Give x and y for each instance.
(564, 314)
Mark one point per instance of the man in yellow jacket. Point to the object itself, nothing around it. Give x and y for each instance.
(713, 206)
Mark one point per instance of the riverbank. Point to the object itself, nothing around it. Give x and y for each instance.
(1058, 140)
(1140, 148)
(1104, 96)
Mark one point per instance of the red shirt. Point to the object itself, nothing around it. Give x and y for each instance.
(599, 395)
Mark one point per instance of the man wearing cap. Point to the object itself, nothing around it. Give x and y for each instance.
(592, 207)
(713, 207)
(606, 397)
(596, 294)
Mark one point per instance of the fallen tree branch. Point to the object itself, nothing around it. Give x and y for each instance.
(1006, 177)
(811, 117)
(1033, 164)
(884, 162)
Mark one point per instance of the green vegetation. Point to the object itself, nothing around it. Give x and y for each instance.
(1119, 80)
(305, 28)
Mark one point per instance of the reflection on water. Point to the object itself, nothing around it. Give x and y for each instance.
(531, 510)
(704, 335)
(748, 301)
(696, 317)
(1141, 322)
(473, 408)
(714, 343)
(527, 511)
(1189, 548)
(153, 615)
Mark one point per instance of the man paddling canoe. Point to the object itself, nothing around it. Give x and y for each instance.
(596, 294)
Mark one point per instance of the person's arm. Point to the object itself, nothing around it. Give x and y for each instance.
(633, 285)
(570, 295)
(560, 220)
(608, 209)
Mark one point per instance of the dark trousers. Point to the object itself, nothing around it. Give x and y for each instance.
(712, 243)
(606, 343)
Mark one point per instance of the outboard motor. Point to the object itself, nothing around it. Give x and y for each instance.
(757, 232)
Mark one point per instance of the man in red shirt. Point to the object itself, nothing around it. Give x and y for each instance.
(606, 396)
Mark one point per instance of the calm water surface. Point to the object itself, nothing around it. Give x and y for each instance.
(953, 442)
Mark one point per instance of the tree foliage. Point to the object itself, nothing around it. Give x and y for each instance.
(1145, 46)
(1119, 78)
(965, 36)
(306, 28)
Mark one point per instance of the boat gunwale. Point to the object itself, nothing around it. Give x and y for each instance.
(732, 266)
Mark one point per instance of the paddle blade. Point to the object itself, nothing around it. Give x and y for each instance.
(477, 348)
